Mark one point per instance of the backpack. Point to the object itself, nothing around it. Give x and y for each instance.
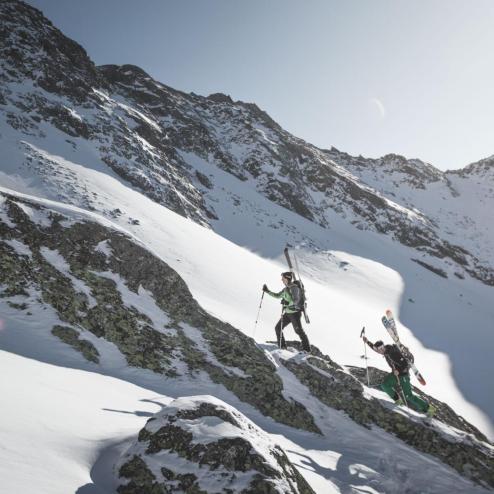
(396, 358)
(407, 353)
(298, 294)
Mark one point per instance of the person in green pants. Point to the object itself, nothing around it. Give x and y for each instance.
(397, 383)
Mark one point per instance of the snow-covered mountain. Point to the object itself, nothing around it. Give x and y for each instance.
(454, 201)
(137, 226)
(156, 138)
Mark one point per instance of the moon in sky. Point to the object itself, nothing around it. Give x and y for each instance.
(377, 106)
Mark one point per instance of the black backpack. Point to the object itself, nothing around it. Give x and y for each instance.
(397, 359)
(300, 294)
(407, 353)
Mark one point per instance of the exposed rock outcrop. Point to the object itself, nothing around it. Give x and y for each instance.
(200, 445)
(89, 293)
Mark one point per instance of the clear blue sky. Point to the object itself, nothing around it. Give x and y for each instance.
(369, 77)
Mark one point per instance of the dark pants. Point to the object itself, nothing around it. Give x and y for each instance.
(294, 319)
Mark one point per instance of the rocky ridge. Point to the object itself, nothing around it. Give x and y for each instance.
(152, 136)
(452, 201)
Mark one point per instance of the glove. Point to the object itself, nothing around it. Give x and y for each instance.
(265, 288)
(364, 338)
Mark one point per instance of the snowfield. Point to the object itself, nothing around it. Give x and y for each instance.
(67, 419)
(351, 277)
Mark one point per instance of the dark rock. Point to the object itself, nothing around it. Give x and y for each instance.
(245, 462)
(434, 269)
(71, 337)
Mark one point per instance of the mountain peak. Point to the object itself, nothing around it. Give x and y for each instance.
(126, 69)
(479, 168)
(127, 73)
(32, 48)
(220, 98)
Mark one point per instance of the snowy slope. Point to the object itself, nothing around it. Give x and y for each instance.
(355, 271)
(44, 448)
(459, 202)
(92, 148)
(51, 406)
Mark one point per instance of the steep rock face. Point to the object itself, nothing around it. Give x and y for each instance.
(152, 135)
(201, 444)
(237, 137)
(34, 50)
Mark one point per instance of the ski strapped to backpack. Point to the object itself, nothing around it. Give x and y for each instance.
(298, 281)
(390, 325)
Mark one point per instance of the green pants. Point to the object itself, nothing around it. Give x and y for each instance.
(390, 386)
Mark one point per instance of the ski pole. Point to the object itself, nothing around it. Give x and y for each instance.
(362, 333)
(400, 387)
(257, 318)
(281, 328)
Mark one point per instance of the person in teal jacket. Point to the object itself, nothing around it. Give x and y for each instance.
(292, 301)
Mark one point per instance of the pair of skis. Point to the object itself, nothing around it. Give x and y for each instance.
(290, 265)
(389, 323)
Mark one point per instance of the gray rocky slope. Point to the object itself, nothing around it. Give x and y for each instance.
(85, 272)
(153, 137)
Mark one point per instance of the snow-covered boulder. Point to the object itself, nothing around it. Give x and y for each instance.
(200, 444)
